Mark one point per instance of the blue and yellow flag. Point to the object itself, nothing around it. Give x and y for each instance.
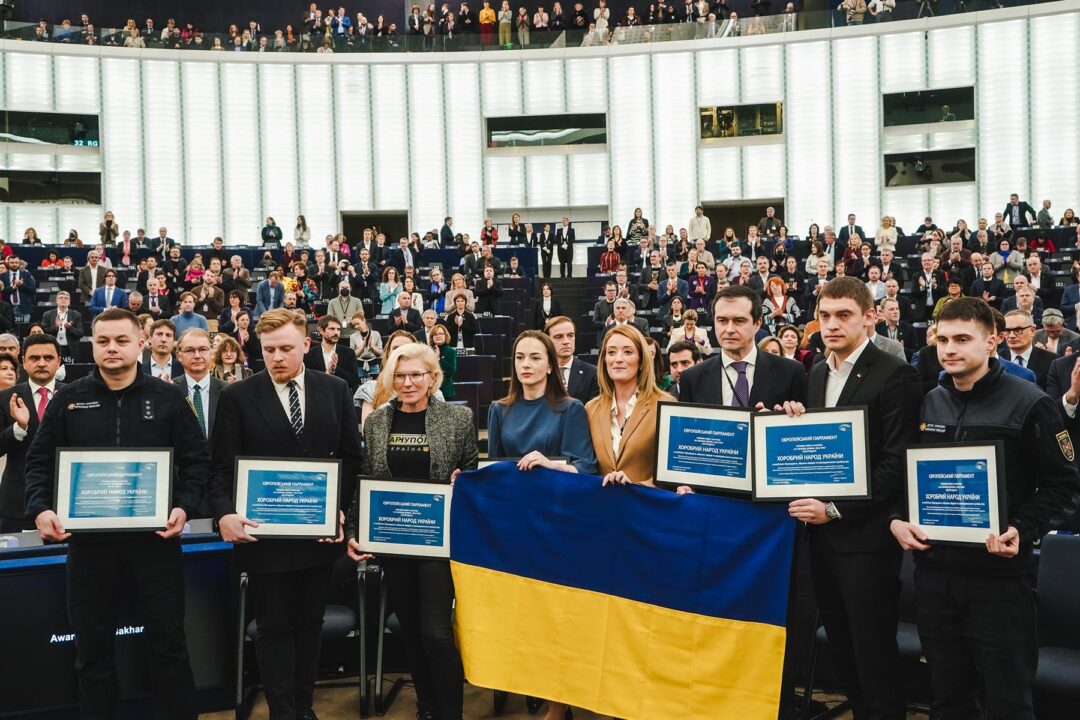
(629, 601)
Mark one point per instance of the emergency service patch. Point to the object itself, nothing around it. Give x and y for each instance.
(1066, 445)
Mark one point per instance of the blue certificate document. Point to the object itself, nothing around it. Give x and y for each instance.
(113, 489)
(703, 446)
(399, 517)
(288, 498)
(821, 454)
(954, 491)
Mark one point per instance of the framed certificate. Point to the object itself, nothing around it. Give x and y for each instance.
(823, 454)
(288, 498)
(113, 489)
(480, 465)
(703, 446)
(405, 518)
(956, 492)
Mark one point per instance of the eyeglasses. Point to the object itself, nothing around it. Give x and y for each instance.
(414, 377)
(195, 351)
(1017, 330)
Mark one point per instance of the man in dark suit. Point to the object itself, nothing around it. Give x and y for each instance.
(740, 375)
(404, 316)
(331, 358)
(564, 245)
(446, 233)
(473, 262)
(64, 324)
(988, 287)
(19, 287)
(158, 359)
(161, 244)
(403, 256)
(269, 294)
(927, 287)
(759, 280)
(291, 413)
(1019, 337)
(1016, 213)
(889, 267)
(21, 410)
(578, 375)
(850, 230)
(894, 328)
(202, 389)
(681, 357)
(152, 270)
(854, 561)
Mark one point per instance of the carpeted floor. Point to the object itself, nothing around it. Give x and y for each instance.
(341, 704)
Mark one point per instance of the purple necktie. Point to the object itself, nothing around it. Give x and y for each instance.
(741, 394)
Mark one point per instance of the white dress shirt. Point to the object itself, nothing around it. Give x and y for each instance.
(838, 376)
(282, 390)
(727, 389)
(18, 432)
(616, 428)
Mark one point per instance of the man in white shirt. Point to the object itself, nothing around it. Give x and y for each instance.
(21, 410)
(874, 283)
(700, 226)
(578, 376)
(159, 361)
(64, 324)
(202, 390)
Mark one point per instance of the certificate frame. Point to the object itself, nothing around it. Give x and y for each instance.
(327, 521)
(437, 493)
(663, 470)
(990, 452)
(65, 485)
(856, 420)
(481, 464)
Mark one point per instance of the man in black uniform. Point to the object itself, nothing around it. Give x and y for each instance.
(117, 406)
(976, 606)
(290, 412)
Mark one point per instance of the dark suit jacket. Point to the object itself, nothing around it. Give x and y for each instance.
(216, 386)
(252, 422)
(1025, 210)
(842, 235)
(994, 286)
(446, 237)
(74, 333)
(397, 259)
(1058, 381)
(413, 320)
(144, 361)
(564, 242)
(1039, 362)
(776, 380)
(929, 367)
(919, 309)
(539, 317)
(1009, 304)
(905, 333)
(25, 292)
(13, 487)
(583, 384)
(894, 267)
(889, 388)
(346, 366)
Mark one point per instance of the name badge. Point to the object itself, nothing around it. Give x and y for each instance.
(931, 427)
(89, 405)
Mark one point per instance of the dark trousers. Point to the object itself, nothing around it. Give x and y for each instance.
(566, 263)
(545, 260)
(421, 592)
(96, 571)
(289, 609)
(980, 639)
(857, 595)
(14, 525)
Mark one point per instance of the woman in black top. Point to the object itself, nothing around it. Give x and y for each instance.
(516, 231)
(462, 324)
(547, 306)
(417, 437)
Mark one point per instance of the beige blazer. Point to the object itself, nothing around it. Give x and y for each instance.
(637, 450)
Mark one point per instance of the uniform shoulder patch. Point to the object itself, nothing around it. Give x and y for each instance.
(1066, 445)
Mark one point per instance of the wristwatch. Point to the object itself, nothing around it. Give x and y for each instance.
(832, 512)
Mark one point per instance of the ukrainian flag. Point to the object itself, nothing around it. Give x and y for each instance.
(629, 601)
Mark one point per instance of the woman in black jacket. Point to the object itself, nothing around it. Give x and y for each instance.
(462, 325)
(547, 306)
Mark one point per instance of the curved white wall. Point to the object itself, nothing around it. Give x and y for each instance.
(211, 143)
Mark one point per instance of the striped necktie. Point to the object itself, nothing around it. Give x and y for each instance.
(295, 419)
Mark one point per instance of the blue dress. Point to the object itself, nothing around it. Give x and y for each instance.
(534, 425)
